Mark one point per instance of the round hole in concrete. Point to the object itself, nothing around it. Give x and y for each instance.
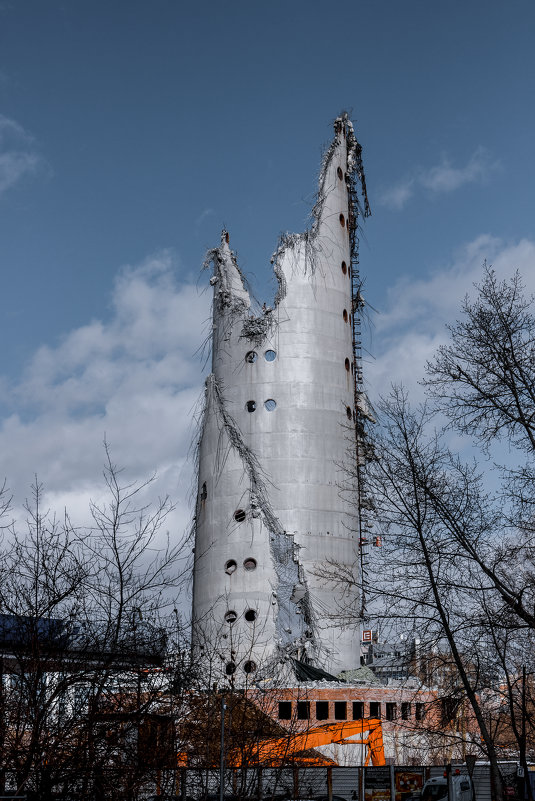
(270, 355)
(249, 564)
(249, 666)
(250, 406)
(270, 404)
(231, 566)
(239, 515)
(251, 356)
(230, 616)
(250, 615)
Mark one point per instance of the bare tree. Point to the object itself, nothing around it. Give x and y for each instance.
(425, 579)
(89, 644)
(484, 379)
(458, 564)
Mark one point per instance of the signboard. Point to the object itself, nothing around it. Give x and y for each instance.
(377, 784)
(408, 783)
(367, 636)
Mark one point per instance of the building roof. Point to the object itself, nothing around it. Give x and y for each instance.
(304, 672)
(362, 675)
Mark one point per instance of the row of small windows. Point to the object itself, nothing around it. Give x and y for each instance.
(269, 405)
(251, 356)
(345, 315)
(248, 667)
(231, 566)
(231, 616)
(339, 710)
(270, 355)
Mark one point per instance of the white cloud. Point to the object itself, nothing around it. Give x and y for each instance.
(18, 156)
(134, 378)
(440, 179)
(412, 325)
(205, 213)
(396, 197)
(447, 178)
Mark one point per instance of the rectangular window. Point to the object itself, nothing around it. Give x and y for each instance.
(285, 710)
(303, 710)
(420, 711)
(358, 710)
(391, 711)
(405, 710)
(340, 710)
(449, 708)
(375, 709)
(322, 710)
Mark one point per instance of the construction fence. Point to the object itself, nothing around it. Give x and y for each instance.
(388, 783)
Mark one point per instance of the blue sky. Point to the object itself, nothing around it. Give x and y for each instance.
(131, 132)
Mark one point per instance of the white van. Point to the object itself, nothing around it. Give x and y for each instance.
(436, 789)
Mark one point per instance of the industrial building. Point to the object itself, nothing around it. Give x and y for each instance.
(278, 458)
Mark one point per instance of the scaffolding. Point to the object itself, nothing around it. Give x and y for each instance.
(356, 186)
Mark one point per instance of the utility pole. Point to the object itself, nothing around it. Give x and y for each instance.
(2, 723)
(449, 778)
(523, 761)
(222, 749)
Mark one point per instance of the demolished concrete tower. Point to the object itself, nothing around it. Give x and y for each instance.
(278, 496)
